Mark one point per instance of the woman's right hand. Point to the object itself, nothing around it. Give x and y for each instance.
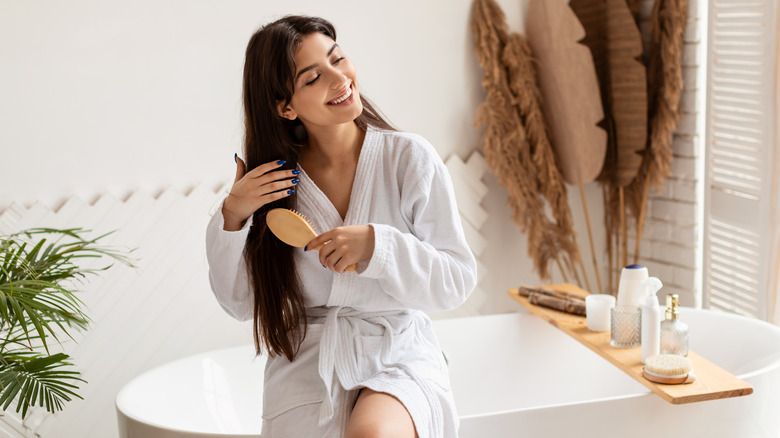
(254, 189)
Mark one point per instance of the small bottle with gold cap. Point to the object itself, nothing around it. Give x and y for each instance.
(674, 333)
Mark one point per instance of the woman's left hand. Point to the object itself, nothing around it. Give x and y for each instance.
(344, 246)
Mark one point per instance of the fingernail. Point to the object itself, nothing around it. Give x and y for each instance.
(235, 157)
(324, 266)
(295, 181)
(290, 192)
(280, 162)
(296, 172)
(306, 248)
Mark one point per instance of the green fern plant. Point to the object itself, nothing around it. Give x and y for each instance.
(39, 276)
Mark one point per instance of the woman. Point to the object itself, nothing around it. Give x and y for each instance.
(349, 353)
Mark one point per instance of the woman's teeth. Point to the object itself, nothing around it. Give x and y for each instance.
(345, 97)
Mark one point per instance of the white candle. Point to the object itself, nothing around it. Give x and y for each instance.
(597, 311)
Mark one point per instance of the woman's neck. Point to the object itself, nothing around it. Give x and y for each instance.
(333, 145)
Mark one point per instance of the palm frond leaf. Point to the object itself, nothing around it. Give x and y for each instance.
(40, 272)
(37, 379)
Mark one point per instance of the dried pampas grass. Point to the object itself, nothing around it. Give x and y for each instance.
(665, 85)
(522, 82)
(515, 142)
(663, 53)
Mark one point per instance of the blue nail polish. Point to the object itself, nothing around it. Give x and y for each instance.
(295, 181)
(296, 172)
(290, 192)
(235, 157)
(280, 162)
(306, 248)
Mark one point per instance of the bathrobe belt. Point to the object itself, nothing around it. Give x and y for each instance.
(338, 355)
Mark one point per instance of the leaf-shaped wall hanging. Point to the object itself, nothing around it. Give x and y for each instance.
(634, 6)
(615, 41)
(571, 96)
(628, 89)
(616, 44)
(570, 90)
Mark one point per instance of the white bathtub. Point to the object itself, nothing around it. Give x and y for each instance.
(512, 375)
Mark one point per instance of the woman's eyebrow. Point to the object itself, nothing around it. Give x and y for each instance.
(297, 75)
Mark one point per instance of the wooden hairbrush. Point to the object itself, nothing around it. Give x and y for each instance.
(293, 229)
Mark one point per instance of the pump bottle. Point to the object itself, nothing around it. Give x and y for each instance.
(674, 333)
(651, 319)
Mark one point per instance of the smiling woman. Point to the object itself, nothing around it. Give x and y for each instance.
(329, 79)
(349, 353)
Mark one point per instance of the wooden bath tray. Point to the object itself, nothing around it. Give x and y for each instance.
(712, 382)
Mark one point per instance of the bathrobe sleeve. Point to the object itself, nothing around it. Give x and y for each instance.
(430, 268)
(227, 269)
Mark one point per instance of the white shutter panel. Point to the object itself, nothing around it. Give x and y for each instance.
(740, 147)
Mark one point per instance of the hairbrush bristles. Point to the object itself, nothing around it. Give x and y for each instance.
(302, 216)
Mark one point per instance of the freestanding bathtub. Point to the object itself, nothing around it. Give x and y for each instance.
(512, 375)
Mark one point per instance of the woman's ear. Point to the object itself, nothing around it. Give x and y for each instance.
(286, 111)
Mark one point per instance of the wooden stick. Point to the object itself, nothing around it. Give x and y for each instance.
(590, 237)
(610, 260)
(573, 270)
(585, 275)
(563, 273)
(526, 291)
(640, 226)
(624, 233)
(575, 307)
(581, 267)
(616, 272)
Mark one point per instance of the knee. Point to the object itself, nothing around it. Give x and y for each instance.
(374, 429)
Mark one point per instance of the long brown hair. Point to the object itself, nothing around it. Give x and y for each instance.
(279, 313)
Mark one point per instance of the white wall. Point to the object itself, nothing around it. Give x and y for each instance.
(107, 97)
(114, 96)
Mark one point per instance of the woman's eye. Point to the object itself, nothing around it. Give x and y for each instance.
(311, 82)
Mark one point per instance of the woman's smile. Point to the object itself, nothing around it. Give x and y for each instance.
(344, 97)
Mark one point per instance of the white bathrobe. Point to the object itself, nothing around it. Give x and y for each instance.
(366, 328)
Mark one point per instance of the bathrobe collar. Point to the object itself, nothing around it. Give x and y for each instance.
(325, 216)
(323, 212)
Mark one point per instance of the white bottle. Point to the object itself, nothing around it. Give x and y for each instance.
(631, 290)
(651, 319)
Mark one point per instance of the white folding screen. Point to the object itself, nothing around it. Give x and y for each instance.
(141, 318)
(740, 155)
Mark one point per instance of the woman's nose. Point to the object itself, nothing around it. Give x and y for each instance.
(337, 79)
(338, 82)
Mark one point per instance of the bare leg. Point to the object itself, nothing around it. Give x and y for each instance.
(377, 414)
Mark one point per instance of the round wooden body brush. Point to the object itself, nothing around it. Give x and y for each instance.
(669, 369)
(293, 229)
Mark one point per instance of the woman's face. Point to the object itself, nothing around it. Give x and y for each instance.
(326, 90)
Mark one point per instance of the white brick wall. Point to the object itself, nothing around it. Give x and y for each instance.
(671, 247)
